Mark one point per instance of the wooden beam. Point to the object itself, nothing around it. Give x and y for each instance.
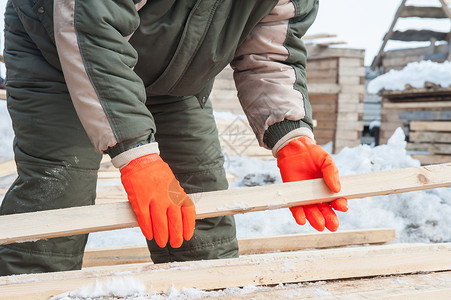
(432, 148)
(430, 126)
(430, 137)
(432, 159)
(8, 168)
(259, 269)
(318, 36)
(411, 286)
(424, 115)
(318, 51)
(140, 254)
(2, 94)
(423, 12)
(377, 59)
(413, 35)
(78, 220)
(323, 88)
(419, 105)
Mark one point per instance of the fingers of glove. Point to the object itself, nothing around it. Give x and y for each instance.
(145, 223)
(330, 174)
(314, 216)
(329, 216)
(159, 225)
(175, 226)
(298, 214)
(340, 204)
(189, 221)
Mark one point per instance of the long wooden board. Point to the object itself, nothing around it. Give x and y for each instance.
(140, 254)
(431, 126)
(434, 285)
(259, 269)
(78, 220)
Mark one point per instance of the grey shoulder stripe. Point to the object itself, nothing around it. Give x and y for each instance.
(83, 94)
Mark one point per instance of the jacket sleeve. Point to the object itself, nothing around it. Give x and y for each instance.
(97, 62)
(269, 73)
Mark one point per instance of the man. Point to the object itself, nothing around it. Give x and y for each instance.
(131, 79)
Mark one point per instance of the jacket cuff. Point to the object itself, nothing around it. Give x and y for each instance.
(277, 131)
(292, 135)
(124, 158)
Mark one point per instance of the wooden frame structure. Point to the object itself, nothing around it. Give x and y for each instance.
(406, 11)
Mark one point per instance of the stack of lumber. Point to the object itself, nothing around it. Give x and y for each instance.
(425, 116)
(265, 263)
(336, 79)
(336, 86)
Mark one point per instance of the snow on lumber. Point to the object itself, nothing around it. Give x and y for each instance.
(77, 220)
(415, 74)
(259, 269)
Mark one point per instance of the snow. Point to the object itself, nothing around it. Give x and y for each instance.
(115, 287)
(415, 74)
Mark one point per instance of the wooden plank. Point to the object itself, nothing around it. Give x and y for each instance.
(416, 105)
(293, 242)
(432, 159)
(259, 269)
(430, 137)
(2, 94)
(432, 148)
(431, 126)
(78, 220)
(431, 115)
(353, 89)
(424, 35)
(323, 88)
(410, 11)
(351, 80)
(435, 285)
(322, 63)
(318, 36)
(318, 51)
(8, 168)
(351, 62)
(348, 107)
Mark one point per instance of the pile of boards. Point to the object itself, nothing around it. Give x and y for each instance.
(425, 116)
(320, 266)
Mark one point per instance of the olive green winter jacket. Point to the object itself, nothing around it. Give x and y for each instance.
(116, 53)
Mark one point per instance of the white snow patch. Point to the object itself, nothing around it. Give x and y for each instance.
(123, 287)
(414, 74)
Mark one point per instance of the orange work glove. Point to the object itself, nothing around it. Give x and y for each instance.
(162, 207)
(302, 159)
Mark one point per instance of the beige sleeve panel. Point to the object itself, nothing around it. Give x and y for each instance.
(264, 82)
(84, 97)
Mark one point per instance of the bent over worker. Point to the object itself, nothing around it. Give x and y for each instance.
(132, 79)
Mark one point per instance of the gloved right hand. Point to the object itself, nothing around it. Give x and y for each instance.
(163, 209)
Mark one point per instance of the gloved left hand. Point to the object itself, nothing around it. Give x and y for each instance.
(302, 159)
(163, 209)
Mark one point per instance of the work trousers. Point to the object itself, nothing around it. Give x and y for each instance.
(57, 165)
